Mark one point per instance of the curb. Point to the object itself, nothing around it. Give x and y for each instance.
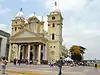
(23, 73)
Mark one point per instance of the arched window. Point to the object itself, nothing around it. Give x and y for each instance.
(53, 18)
(53, 36)
(48, 24)
(15, 28)
(53, 25)
(16, 22)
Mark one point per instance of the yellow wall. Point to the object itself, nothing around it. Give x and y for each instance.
(53, 45)
(57, 30)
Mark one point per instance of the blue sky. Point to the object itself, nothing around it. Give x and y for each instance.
(81, 20)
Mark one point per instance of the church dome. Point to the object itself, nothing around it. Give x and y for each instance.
(20, 14)
(31, 15)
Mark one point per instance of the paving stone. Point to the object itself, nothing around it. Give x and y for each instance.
(45, 69)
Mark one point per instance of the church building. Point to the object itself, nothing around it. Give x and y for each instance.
(30, 41)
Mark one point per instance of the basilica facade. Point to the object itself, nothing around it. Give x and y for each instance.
(30, 41)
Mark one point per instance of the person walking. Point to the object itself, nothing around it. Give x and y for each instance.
(95, 65)
(27, 62)
(52, 64)
(60, 63)
(15, 61)
(3, 65)
(19, 61)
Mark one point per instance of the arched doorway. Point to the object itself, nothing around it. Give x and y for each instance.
(41, 56)
(31, 56)
(20, 55)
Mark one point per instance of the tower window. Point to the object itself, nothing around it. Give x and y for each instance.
(58, 24)
(54, 46)
(29, 23)
(53, 25)
(37, 22)
(15, 28)
(53, 18)
(48, 24)
(16, 22)
(53, 36)
(50, 46)
(19, 27)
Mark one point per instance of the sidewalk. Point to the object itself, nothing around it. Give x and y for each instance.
(8, 72)
(17, 72)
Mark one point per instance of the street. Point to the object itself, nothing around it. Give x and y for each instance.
(45, 69)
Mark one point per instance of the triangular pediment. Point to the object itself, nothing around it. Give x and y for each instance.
(24, 33)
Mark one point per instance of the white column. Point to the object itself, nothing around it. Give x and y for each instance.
(33, 52)
(10, 50)
(39, 54)
(13, 54)
(28, 52)
(19, 50)
(16, 51)
(22, 52)
(46, 51)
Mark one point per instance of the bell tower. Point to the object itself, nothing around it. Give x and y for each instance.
(18, 22)
(55, 22)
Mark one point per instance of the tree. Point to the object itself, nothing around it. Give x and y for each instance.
(77, 52)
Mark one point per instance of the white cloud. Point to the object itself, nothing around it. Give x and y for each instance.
(81, 24)
(2, 0)
(6, 28)
(4, 10)
(24, 1)
(75, 5)
(83, 34)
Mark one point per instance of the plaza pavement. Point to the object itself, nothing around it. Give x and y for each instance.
(46, 70)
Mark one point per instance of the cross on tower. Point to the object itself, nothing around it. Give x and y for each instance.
(42, 18)
(21, 9)
(34, 13)
(55, 3)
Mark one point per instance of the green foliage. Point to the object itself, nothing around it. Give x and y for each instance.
(77, 52)
(76, 57)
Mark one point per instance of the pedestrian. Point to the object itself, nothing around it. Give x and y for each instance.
(26, 61)
(95, 65)
(60, 63)
(3, 65)
(19, 61)
(52, 64)
(15, 61)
